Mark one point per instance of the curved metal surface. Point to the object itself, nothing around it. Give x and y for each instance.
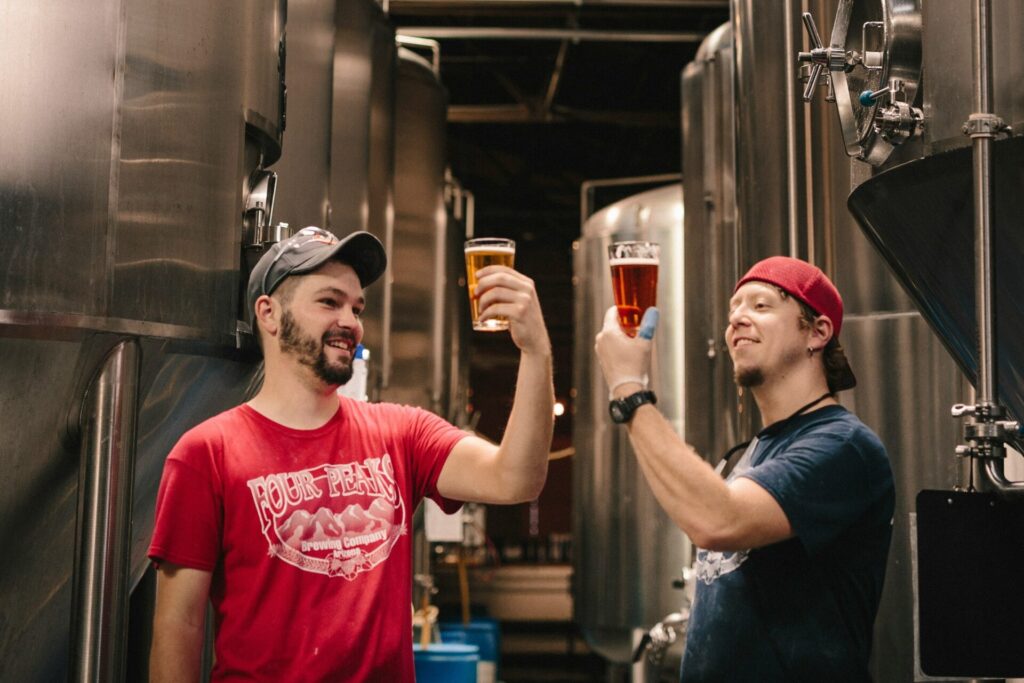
(303, 170)
(948, 63)
(919, 216)
(626, 550)
(714, 421)
(129, 138)
(423, 246)
(362, 150)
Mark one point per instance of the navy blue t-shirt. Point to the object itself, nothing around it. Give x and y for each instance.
(801, 609)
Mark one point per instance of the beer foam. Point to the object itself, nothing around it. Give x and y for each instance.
(491, 250)
(633, 261)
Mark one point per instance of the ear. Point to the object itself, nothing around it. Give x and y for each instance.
(266, 315)
(821, 332)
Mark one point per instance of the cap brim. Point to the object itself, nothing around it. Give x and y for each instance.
(361, 250)
(845, 379)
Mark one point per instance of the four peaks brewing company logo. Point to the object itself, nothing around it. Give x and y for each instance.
(338, 520)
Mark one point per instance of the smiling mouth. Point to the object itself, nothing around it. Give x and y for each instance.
(743, 341)
(341, 344)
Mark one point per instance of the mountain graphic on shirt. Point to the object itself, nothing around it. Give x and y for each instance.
(302, 526)
(382, 512)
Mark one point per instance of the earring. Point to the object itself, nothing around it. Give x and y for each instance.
(810, 352)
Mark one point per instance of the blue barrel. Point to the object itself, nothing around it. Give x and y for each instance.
(446, 663)
(482, 632)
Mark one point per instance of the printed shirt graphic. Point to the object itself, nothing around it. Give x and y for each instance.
(338, 520)
(306, 534)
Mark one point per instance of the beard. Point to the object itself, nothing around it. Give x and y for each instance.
(312, 353)
(748, 378)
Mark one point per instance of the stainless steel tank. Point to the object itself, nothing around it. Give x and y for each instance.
(627, 552)
(336, 169)
(130, 132)
(792, 179)
(717, 416)
(426, 258)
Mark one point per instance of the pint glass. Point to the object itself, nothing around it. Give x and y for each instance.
(634, 281)
(481, 252)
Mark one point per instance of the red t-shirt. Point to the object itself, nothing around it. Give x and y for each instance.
(307, 533)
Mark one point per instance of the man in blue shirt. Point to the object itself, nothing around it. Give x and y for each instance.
(792, 543)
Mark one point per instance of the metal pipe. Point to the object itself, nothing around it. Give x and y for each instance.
(438, 349)
(470, 213)
(426, 44)
(984, 269)
(100, 602)
(792, 176)
(587, 196)
(577, 35)
(405, 5)
(995, 473)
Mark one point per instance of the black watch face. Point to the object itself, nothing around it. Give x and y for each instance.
(616, 410)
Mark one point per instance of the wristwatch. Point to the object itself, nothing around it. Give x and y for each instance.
(622, 409)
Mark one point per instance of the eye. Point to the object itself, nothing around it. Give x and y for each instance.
(329, 302)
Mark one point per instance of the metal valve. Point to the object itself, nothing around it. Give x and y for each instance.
(880, 117)
(833, 58)
(985, 433)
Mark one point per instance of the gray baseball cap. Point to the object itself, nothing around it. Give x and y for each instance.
(307, 250)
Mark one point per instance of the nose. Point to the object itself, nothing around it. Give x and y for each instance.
(348, 318)
(738, 316)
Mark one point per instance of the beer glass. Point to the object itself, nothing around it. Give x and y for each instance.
(481, 252)
(634, 281)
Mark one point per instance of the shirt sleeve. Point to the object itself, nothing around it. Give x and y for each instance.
(824, 482)
(189, 510)
(431, 440)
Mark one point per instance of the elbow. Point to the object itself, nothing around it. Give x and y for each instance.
(719, 538)
(528, 487)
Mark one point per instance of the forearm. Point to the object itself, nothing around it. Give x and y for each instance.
(523, 453)
(689, 490)
(175, 655)
(179, 623)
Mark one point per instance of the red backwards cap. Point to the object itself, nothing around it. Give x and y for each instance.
(802, 281)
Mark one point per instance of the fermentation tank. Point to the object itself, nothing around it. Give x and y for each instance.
(336, 170)
(130, 132)
(627, 552)
(428, 317)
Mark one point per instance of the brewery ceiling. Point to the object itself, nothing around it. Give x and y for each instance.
(542, 97)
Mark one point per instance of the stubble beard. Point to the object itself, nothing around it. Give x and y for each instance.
(311, 353)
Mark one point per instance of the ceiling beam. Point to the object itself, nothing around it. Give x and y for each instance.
(524, 113)
(574, 34)
(401, 6)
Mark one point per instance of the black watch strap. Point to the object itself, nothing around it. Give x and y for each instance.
(622, 409)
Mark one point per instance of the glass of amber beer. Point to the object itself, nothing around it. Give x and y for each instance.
(481, 252)
(634, 281)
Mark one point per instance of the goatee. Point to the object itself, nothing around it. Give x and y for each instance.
(748, 377)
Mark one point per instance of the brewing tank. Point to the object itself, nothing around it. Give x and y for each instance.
(130, 132)
(336, 169)
(627, 551)
(428, 307)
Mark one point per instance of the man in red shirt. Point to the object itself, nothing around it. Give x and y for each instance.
(291, 513)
